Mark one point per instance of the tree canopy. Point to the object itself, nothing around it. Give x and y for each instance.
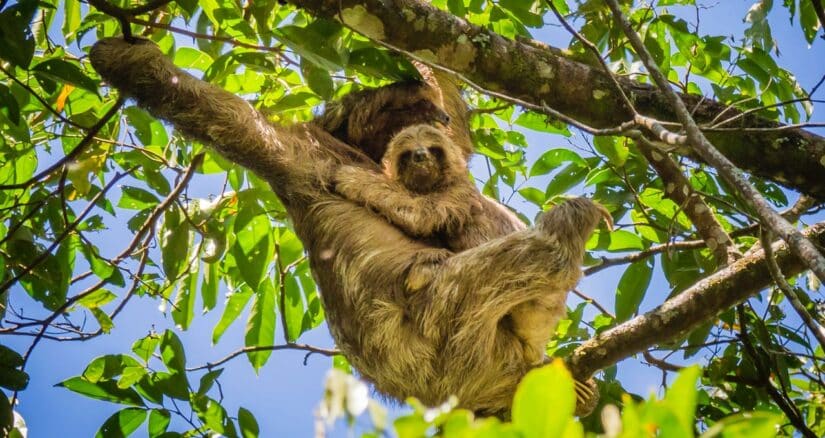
(704, 147)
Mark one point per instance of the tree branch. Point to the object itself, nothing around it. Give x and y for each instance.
(542, 75)
(699, 303)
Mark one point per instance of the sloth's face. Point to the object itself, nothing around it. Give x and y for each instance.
(422, 158)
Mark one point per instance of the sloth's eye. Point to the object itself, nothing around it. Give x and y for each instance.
(436, 151)
(405, 157)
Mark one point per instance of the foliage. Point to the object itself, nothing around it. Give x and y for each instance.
(74, 179)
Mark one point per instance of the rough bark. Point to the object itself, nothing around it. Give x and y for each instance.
(544, 76)
(700, 303)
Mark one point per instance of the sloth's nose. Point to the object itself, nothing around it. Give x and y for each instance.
(419, 155)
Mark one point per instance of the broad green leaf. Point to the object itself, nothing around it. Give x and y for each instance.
(171, 351)
(568, 177)
(16, 39)
(544, 401)
(317, 79)
(149, 130)
(183, 309)
(214, 415)
(260, 328)
(209, 287)
(248, 424)
(103, 319)
(122, 423)
(145, 347)
(104, 390)
(253, 249)
(11, 377)
(681, 397)
(632, 288)
(98, 298)
(294, 307)
(615, 241)
(191, 58)
(135, 198)
(62, 71)
(235, 304)
(131, 375)
(107, 367)
(159, 420)
(174, 237)
(376, 62)
(319, 43)
(554, 158)
(207, 380)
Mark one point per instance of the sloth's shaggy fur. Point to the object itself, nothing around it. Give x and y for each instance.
(449, 338)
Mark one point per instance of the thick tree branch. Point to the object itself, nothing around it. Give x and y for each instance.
(541, 76)
(698, 304)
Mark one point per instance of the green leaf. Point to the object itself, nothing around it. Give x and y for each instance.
(260, 328)
(681, 397)
(632, 288)
(554, 158)
(98, 298)
(16, 39)
(248, 424)
(615, 241)
(214, 415)
(311, 43)
(122, 423)
(134, 198)
(62, 71)
(294, 311)
(568, 177)
(107, 367)
(235, 304)
(209, 288)
(159, 420)
(541, 123)
(253, 248)
(207, 380)
(145, 347)
(174, 243)
(544, 401)
(8, 105)
(318, 79)
(12, 378)
(377, 62)
(171, 351)
(105, 390)
(192, 58)
(149, 130)
(183, 309)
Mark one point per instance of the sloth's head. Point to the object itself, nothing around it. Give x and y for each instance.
(368, 119)
(424, 159)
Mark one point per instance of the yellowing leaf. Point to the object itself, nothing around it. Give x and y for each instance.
(90, 161)
(64, 94)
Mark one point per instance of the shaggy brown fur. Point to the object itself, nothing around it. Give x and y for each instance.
(447, 340)
(425, 191)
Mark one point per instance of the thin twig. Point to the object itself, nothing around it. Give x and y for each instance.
(789, 292)
(288, 346)
(784, 404)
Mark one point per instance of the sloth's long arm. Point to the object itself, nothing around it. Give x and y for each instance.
(420, 216)
(196, 108)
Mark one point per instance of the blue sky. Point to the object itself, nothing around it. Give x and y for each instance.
(285, 393)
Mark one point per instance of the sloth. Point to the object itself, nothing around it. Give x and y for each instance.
(425, 190)
(451, 337)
